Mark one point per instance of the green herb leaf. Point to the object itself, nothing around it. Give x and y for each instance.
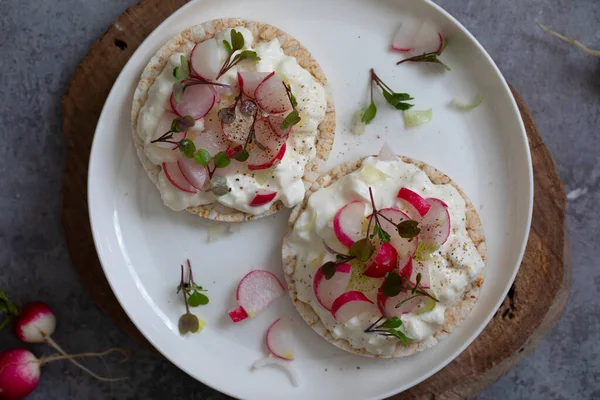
(328, 269)
(182, 124)
(408, 229)
(401, 336)
(228, 47)
(187, 148)
(241, 155)
(189, 323)
(384, 237)
(293, 100)
(392, 323)
(219, 185)
(369, 114)
(290, 120)
(246, 55)
(237, 40)
(395, 98)
(362, 250)
(222, 160)
(178, 90)
(197, 299)
(392, 285)
(6, 306)
(185, 65)
(178, 74)
(202, 157)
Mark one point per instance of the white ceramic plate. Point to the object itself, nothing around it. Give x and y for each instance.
(141, 243)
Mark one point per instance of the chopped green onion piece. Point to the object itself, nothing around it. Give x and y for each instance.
(414, 118)
(369, 174)
(476, 103)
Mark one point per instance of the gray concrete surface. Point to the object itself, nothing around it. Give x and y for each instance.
(41, 43)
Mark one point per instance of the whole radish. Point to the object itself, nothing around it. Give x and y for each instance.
(19, 373)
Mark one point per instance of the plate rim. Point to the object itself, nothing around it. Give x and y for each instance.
(458, 350)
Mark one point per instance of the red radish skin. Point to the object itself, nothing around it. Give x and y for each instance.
(204, 59)
(19, 374)
(435, 225)
(257, 290)
(406, 248)
(193, 172)
(249, 81)
(196, 101)
(351, 304)
(384, 261)
(233, 150)
(238, 314)
(269, 164)
(176, 178)
(263, 197)
(415, 200)
(347, 223)
(271, 95)
(403, 40)
(35, 323)
(272, 148)
(407, 269)
(279, 339)
(327, 290)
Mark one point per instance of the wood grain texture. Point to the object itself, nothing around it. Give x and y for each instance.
(533, 305)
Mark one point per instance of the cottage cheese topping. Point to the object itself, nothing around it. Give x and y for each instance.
(452, 268)
(286, 177)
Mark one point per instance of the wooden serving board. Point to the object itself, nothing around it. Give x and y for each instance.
(534, 302)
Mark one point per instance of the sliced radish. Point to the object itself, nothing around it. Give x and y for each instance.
(386, 153)
(164, 126)
(267, 149)
(193, 172)
(407, 269)
(428, 40)
(382, 262)
(174, 175)
(279, 339)
(405, 35)
(249, 81)
(263, 197)
(256, 291)
(351, 304)
(205, 59)
(347, 223)
(197, 101)
(275, 121)
(286, 365)
(391, 307)
(327, 290)
(212, 141)
(238, 314)
(413, 199)
(435, 225)
(238, 130)
(271, 95)
(233, 150)
(406, 248)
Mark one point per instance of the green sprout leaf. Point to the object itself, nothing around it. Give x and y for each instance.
(293, 100)
(189, 323)
(397, 100)
(228, 47)
(187, 148)
(369, 114)
(246, 55)
(400, 336)
(241, 155)
(182, 124)
(408, 229)
(185, 65)
(392, 323)
(237, 40)
(219, 185)
(202, 157)
(290, 120)
(362, 250)
(197, 299)
(328, 269)
(392, 285)
(178, 89)
(384, 237)
(221, 160)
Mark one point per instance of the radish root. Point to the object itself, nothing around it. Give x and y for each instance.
(587, 50)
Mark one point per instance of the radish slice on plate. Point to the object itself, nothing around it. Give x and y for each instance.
(211, 141)
(174, 175)
(351, 304)
(404, 39)
(383, 261)
(271, 95)
(193, 172)
(386, 153)
(268, 148)
(392, 307)
(347, 223)
(238, 130)
(279, 339)
(406, 248)
(249, 81)
(286, 365)
(164, 126)
(275, 121)
(428, 39)
(197, 101)
(255, 292)
(327, 290)
(435, 225)
(205, 59)
(413, 199)
(263, 197)
(418, 37)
